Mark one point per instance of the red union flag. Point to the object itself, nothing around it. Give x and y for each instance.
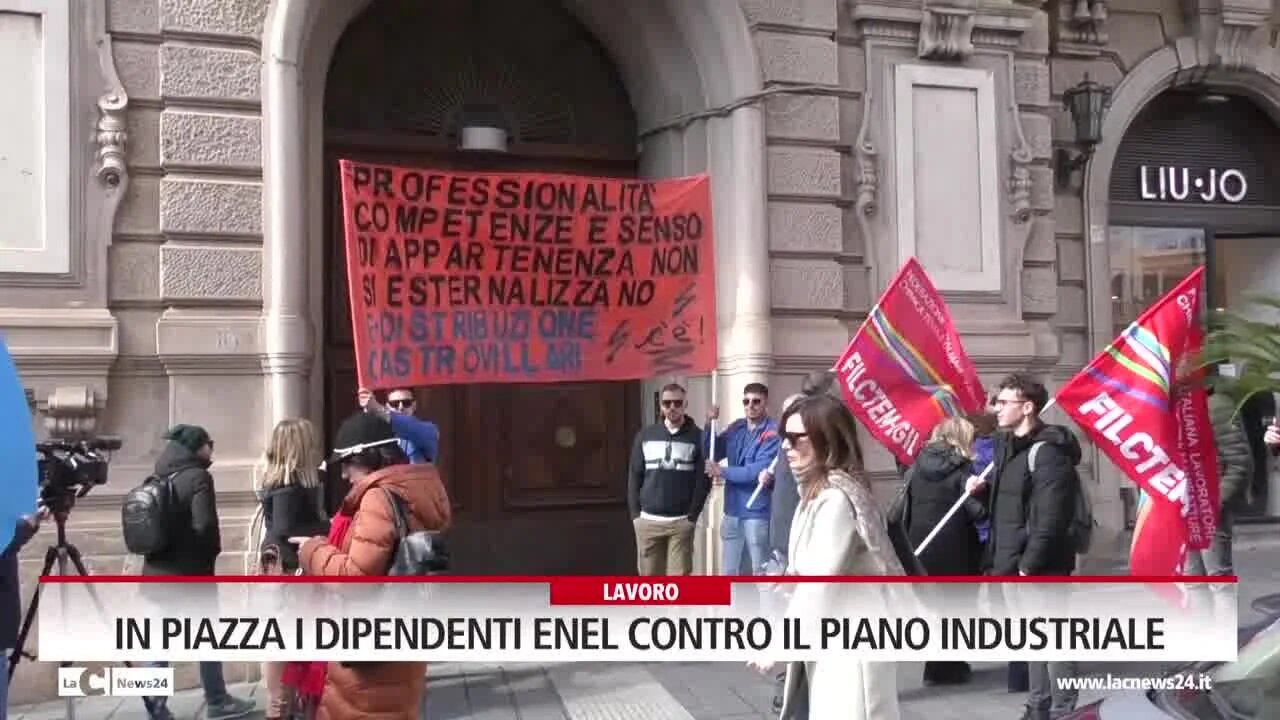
(905, 369)
(1151, 418)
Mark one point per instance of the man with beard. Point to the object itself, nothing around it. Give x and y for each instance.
(667, 487)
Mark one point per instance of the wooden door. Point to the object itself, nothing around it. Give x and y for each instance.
(536, 472)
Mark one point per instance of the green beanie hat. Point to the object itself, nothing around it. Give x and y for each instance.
(192, 437)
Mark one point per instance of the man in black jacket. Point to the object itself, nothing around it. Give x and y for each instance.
(193, 550)
(667, 487)
(1031, 507)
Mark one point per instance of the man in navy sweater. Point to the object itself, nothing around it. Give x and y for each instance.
(420, 439)
(666, 488)
(750, 444)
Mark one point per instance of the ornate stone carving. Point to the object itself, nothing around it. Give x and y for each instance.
(867, 184)
(1229, 49)
(1020, 182)
(866, 177)
(112, 139)
(946, 31)
(1080, 29)
(1240, 18)
(70, 412)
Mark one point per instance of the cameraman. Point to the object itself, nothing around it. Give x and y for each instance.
(11, 595)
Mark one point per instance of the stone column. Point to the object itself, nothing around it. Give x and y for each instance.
(285, 328)
(746, 349)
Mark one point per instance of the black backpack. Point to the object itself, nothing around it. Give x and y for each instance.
(147, 515)
(417, 553)
(1082, 523)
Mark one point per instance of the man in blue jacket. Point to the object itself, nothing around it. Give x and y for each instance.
(750, 445)
(420, 439)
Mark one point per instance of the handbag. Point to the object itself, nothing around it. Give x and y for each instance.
(897, 519)
(416, 553)
(899, 512)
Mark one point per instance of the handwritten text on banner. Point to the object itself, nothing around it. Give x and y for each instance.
(460, 277)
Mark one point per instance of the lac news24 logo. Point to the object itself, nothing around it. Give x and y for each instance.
(119, 681)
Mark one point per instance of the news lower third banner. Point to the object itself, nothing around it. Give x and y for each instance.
(586, 619)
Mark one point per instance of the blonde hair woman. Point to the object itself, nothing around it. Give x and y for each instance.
(286, 480)
(934, 483)
(290, 503)
(955, 432)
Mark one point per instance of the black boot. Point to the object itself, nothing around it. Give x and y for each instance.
(1029, 713)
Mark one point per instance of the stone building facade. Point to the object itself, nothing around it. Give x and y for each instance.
(178, 271)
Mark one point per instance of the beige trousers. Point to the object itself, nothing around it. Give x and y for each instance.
(664, 547)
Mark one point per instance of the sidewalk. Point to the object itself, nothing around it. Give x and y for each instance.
(690, 691)
(607, 691)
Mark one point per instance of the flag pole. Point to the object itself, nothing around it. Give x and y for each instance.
(965, 496)
(715, 383)
(713, 509)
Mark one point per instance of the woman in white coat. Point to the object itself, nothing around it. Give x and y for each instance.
(838, 530)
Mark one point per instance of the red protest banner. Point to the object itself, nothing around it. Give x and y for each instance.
(1152, 420)
(460, 277)
(906, 370)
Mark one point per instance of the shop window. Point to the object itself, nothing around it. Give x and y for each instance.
(1146, 263)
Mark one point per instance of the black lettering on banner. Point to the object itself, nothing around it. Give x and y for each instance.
(372, 217)
(636, 292)
(364, 176)
(468, 275)
(367, 248)
(596, 227)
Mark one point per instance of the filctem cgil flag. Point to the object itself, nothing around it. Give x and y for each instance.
(906, 369)
(1144, 404)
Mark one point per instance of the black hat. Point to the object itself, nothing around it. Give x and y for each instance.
(359, 433)
(192, 437)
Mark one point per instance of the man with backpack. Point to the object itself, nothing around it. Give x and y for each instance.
(172, 521)
(1039, 515)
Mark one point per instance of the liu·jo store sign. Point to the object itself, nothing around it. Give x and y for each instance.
(1173, 183)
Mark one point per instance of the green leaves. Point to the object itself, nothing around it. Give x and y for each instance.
(1252, 346)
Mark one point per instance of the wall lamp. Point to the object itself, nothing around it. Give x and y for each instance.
(483, 127)
(1087, 103)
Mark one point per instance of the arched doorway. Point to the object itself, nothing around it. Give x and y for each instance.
(680, 59)
(537, 473)
(1196, 181)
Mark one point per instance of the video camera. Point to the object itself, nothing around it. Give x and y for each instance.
(69, 469)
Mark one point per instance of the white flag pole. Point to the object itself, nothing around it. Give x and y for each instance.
(715, 384)
(965, 496)
(713, 509)
(752, 500)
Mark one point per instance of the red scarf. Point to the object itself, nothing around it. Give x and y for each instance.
(307, 677)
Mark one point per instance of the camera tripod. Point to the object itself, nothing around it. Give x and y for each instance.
(60, 553)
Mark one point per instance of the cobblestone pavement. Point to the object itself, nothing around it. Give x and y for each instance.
(690, 691)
